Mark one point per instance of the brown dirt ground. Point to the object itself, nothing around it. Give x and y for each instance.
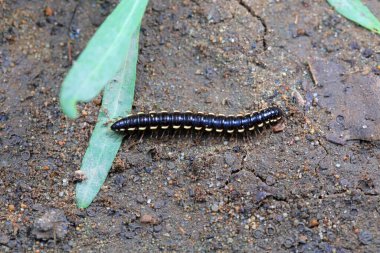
(312, 188)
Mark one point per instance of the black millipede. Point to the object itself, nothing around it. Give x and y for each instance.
(199, 121)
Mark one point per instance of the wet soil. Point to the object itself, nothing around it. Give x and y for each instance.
(313, 187)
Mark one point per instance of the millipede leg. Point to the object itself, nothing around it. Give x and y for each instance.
(187, 133)
(141, 137)
(202, 135)
(250, 137)
(131, 135)
(198, 136)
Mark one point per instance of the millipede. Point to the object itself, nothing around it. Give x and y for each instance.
(199, 121)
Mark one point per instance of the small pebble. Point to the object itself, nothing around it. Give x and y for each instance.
(97, 101)
(288, 243)
(140, 199)
(365, 237)
(270, 230)
(258, 234)
(229, 158)
(260, 196)
(148, 219)
(302, 239)
(25, 155)
(344, 182)
(171, 165)
(157, 228)
(65, 182)
(11, 208)
(79, 176)
(215, 207)
(270, 180)
(4, 239)
(159, 204)
(376, 70)
(367, 53)
(313, 223)
(53, 224)
(48, 11)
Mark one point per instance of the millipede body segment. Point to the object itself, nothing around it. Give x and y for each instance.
(199, 121)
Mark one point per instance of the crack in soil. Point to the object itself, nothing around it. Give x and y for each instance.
(238, 170)
(262, 21)
(261, 178)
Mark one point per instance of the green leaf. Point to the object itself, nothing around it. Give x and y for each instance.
(356, 11)
(104, 143)
(103, 56)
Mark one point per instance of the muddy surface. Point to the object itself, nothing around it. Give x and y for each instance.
(313, 187)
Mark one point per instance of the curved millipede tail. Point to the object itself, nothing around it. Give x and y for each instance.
(199, 121)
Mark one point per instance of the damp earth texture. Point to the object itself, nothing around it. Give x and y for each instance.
(311, 186)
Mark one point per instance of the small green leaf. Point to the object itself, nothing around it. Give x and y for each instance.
(103, 56)
(356, 11)
(104, 143)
